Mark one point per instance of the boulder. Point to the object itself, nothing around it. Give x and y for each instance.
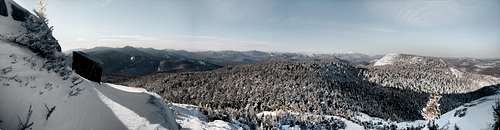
(86, 66)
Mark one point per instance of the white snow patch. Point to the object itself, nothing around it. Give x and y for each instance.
(349, 124)
(202, 63)
(386, 60)
(486, 66)
(190, 117)
(416, 59)
(128, 89)
(456, 72)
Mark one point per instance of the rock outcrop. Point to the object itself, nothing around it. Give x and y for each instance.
(86, 66)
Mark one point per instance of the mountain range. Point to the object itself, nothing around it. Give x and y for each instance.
(127, 62)
(394, 87)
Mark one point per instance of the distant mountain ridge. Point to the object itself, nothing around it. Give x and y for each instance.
(127, 62)
(123, 63)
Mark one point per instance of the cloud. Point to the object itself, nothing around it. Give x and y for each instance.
(420, 12)
(343, 27)
(106, 2)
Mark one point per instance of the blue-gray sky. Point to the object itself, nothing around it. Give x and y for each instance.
(453, 28)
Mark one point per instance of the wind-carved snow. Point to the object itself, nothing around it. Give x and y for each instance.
(386, 60)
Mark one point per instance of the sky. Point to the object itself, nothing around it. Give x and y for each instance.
(449, 28)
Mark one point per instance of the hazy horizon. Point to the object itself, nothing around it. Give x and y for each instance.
(443, 28)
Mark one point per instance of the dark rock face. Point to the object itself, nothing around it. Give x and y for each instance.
(120, 64)
(3, 8)
(86, 67)
(19, 14)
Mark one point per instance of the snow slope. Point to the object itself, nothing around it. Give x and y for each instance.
(478, 115)
(79, 103)
(475, 115)
(32, 97)
(386, 60)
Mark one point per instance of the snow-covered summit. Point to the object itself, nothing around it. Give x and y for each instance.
(386, 60)
(406, 59)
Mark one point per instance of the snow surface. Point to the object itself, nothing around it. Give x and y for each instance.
(456, 72)
(8, 26)
(190, 117)
(478, 116)
(88, 105)
(78, 104)
(349, 124)
(386, 60)
(81, 104)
